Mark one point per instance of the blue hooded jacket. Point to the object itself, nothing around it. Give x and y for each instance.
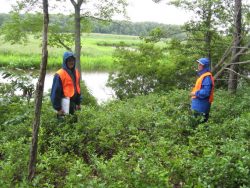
(57, 89)
(201, 103)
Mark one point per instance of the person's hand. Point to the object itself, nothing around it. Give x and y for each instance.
(78, 107)
(60, 112)
(192, 94)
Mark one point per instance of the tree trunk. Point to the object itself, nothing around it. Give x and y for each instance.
(233, 77)
(39, 94)
(208, 34)
(78, 36)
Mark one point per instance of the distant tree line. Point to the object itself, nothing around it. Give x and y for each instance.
(115, 27)
(138, 28)
(3, 18)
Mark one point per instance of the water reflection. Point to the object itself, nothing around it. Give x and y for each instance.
(95, 82)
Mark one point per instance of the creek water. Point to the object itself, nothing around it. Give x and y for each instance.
(95, 82)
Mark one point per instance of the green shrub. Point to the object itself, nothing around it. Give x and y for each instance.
(147, 141)
(151, 68)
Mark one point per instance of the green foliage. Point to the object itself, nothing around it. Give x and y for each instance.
(60, 40)
(19, 81)
(195, 45)
(88, 99)
(210, 33)
(78, 174)
(14, 159)
(15, 133)
(17, 28)
(54, 166)
(14, 31)
(136, 70)
(160, 34)
(147, 141)
(155, 35)
(152, 67)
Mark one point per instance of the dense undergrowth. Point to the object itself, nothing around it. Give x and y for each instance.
(148, 141)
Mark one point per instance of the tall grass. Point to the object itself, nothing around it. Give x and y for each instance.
(94, 55)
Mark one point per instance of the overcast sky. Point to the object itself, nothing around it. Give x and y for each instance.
(147, 10)
(138, 11)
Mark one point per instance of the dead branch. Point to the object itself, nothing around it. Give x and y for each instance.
(242, 50)
(238, 63)
(246, 77)
(224, 57)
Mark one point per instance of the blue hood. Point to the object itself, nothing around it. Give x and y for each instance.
(66, 55)
(206, 63)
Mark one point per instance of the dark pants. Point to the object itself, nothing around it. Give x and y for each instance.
(199, 118)
(72, 109)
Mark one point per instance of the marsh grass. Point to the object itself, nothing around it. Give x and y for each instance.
(93, 56)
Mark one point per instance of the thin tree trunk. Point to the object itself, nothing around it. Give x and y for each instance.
(233, 78)
(208, 34)
(39, 94)
(77, 7)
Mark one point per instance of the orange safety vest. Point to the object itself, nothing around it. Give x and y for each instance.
(198, 84)
(67, 82)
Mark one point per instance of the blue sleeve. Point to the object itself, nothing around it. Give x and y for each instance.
(56, 92)
(206, 87)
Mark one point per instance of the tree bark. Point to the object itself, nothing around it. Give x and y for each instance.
(233, 77)
(39, 94)
(208, 34)
(77, 6)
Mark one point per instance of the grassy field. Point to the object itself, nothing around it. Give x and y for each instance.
(97, 50)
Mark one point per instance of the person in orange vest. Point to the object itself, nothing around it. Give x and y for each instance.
(66, 84)
(203, 91)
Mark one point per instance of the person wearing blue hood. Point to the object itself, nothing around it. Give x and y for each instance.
(66, 84)
(203, 91)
